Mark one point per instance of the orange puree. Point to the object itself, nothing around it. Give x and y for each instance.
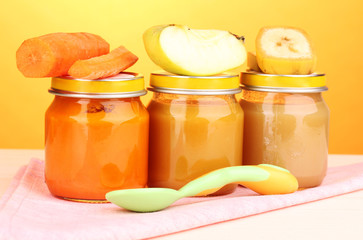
(191, 135)
(94, 146)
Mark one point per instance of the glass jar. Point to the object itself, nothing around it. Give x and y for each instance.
(96, 137)
(286, 124)
(196, 126)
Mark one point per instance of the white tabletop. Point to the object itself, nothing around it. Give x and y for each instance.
(339, 217)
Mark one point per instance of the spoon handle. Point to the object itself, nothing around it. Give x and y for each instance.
(263, 179)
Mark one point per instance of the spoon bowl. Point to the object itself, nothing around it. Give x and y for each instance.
(144, 199)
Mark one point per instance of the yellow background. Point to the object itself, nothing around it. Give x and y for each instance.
(336, 28)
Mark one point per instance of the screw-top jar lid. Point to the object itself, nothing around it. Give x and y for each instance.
(123, 85)
(195, 85)
(283, 83)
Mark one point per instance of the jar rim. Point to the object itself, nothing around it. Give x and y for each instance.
(90, 95)
(123, 85)
(205, 92)
(163, 81)
(315, 82)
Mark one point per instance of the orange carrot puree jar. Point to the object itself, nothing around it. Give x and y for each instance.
(286, 124)
(96, 137)
(196, 126)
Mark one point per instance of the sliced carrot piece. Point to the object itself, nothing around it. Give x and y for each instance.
(103, 66)
(53, 54)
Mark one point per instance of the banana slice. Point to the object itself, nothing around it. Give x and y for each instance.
(181, 50)
(285, 50)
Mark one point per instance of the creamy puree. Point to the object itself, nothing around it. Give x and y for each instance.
(193, 135)
(288, 130)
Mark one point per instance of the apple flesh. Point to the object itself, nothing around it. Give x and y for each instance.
(184, 51)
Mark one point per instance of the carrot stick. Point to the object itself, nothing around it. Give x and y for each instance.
(103, 66)
(53, 54)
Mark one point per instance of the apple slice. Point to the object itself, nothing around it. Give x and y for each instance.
(184, 51)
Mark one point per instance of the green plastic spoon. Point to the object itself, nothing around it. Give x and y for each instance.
(263, 179)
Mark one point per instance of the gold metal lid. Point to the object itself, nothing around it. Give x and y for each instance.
(283, 83)
(123, 85)
(198, 85)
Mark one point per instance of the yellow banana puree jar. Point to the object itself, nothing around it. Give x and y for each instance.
(196, 126)
(286, 124)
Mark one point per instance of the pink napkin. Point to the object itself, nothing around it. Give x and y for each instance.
(28, 211)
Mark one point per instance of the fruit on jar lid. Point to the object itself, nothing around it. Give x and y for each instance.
(285, 50)
(181, 50)
(51, 55)
(103, 66)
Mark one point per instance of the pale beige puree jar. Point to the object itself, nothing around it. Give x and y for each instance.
(286, 123)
